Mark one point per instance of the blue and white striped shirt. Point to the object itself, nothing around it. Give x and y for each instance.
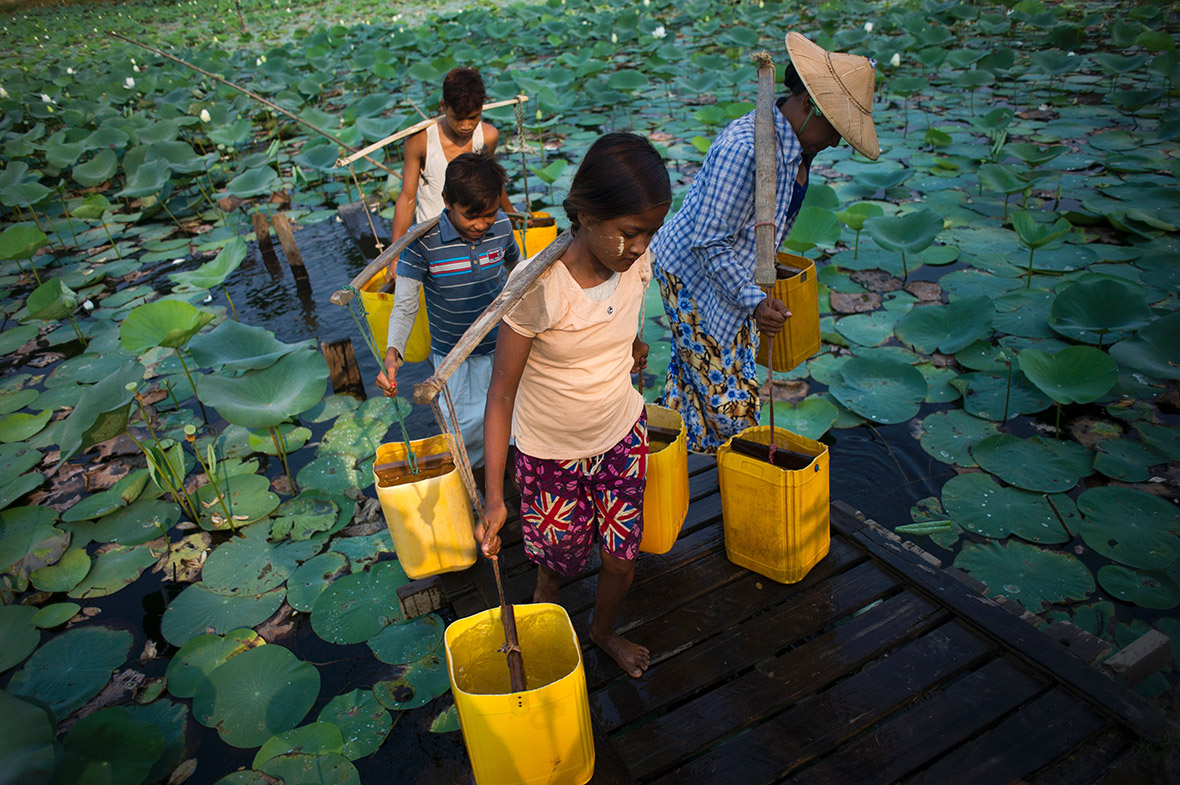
(709, 243)
(461, 277)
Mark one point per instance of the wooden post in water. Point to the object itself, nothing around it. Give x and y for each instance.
(342, 365)
(262, 232)
(290, 247)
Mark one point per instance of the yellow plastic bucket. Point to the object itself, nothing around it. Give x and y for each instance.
(378, 304)
(665, 504)
(799, 339)
(536, 238)
(775, 520)
(541, 735)
(429, 520)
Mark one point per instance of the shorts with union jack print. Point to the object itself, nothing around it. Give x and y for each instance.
(566, 506)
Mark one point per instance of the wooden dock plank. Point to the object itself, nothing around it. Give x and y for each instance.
(815, 726)
(666, 741)
(1088, 762)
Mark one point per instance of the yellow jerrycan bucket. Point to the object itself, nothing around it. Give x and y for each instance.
(429, 519)
(541, 735)
(533, 241)
(665, 503)
(775, 519)
(796, 286)
(378, 304)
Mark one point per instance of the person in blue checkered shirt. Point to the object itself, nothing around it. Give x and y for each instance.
(703, 259)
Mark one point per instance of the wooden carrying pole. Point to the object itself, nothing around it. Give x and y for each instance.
(384, 259)
(425, 392)
(415, 128)
(764, 174)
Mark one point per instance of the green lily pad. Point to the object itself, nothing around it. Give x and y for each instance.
(23, 530)
(868, 329)
(446, 722)
(97, 170)
(1155, 350)
(812, 417)
(309, 512)
(419, 683)
(362, 720)
(168, 323)
(909, 233)
(118, 496)
(881, 389)
(256, 694)
(985, 395)
(1088, 311)
(1034, 577)
(147, 180)
(113, 570)
(15, 401)
(20, 426)
(399, 644)
(1026, 463)
(267, 397)
(328, 769)
(21, 242)
(28, 741)
(214, 273)
(312, 577)
(172, 720)
(197, 610)
(16, 337)
(1131, 527)
(252, 564)
(1160, 437)
(64, 575)
(328, 409)
(1076, 374)
(979, 505)
(55, 615)
(110, 747)
(102, 410)
(292, 436)
(318, 738)
(51, 300)
(260, 181)
(1126, 460)
(1146, 589)
(357, 607)
(190, 667)
(19, 633)
(239, 347)
(248, 498)
(72, 668)
(946, 328)
(949, 436)
(332, 474)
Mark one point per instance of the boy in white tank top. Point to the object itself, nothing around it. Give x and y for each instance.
(428, 152)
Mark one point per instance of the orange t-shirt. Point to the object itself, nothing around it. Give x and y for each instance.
(575, 398)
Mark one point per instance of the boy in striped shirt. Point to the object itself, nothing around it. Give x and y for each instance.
(462, 265)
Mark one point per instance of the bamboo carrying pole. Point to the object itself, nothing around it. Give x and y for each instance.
(270, 105)
(425, 392)
(415, 128)
(765, 195)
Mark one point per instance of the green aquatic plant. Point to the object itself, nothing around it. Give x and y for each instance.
(911, 232)
(1034, 235)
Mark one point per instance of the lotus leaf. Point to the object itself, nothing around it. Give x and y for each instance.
(23, 193)
(1077, 374)
(168, 323)
(1034, 577)
(312, 577)
(856, 215)
(102, 411)
(947, 328)
(20, 426)
(400, 644)
(190, 667)
(1161, 437)
(11, 402)
(16, 337)
(812, 417)
(292, 437)
(267, 397)
(28, 743)
(1002, 179)
(93, 207)
(329, 408)
(51, 300)
(299, 518)
(1037, 235)
(234, 133)
(260, 181)
(1155, 350)
(868, 329)
(1126, 460)
(356, 437)
(109, 746)
(1026, 463)
(911, 232)
(362, 720)
(147, 179)
(420, 683)
(990, 395)
(14, 489)
(883, 390)
(65, 575)
(72, 668)
(119, 495)
(318, 738)
(949, 436)
(56, 614)
(1088, 310)
(172, 719)
(357, 607)
(21, 242)
(446, 722)
(239, 347)
(256, 694)
(331, 769)
(197, 610)
(113, 570)
(19, 633)
(332, 474)
(247, 496)
(214, 273)
(1146, 589)
(1130, 526)
(979, 505)
(22, 530)
(251, 565)
(814, 226)
(97, 170)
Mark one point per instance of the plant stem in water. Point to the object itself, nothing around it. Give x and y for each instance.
(231, 303)
(114, 245)
(279, 448)
(77, 330)
(184, 365)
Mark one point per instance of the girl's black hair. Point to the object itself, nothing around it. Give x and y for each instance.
(792, 80)
(621, 174)
(474, 181)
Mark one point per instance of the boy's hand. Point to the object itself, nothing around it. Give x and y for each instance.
(639, 351)
(389, 272)
(387, 381)
(770, 315)
(487, 531)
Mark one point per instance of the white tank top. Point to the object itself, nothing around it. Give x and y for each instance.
(434, 172)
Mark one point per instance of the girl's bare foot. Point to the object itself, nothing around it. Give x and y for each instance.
(548, 582)
(631, 657)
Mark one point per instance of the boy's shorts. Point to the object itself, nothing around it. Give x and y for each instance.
(566, 506)
(469, 392)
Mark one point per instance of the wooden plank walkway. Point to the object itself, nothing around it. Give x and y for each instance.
(876, 668)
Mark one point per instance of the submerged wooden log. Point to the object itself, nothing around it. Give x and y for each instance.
(342, 365)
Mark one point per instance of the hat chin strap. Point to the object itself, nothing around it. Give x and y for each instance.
(812, 112)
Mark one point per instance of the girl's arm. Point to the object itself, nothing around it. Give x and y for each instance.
(512, 352)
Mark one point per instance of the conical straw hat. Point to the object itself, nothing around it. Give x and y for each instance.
(841, 86)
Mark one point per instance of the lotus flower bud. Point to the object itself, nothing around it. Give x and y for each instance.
(205, 117)
(129, 83)
(895, 61)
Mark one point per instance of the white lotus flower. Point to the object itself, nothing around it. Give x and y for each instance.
(868, 27)
(88, 306)
(129, 83)
(257, 61)
(659, 32)
(3, 94)
(646, 3)
(45, 99)
(70, 71)
(263, 57)
(614, 38)
(205, 116)
(895, 61)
